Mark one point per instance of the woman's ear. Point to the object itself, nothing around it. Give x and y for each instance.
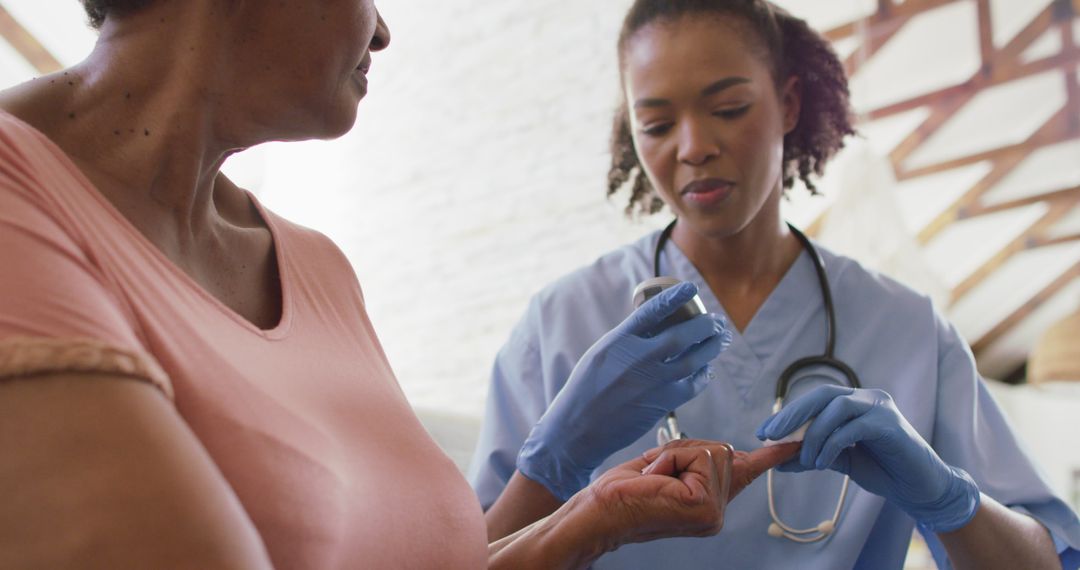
(791, 102)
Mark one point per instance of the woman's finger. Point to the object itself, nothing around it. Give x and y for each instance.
(726, 469)
(694, 466)
(638, 464)
(751, 465)
(651, 454)
(792, 466)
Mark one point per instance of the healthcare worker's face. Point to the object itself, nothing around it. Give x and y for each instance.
(708, 120)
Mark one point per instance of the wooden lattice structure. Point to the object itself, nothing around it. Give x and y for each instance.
(999, 65)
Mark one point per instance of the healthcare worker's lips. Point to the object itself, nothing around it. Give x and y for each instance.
(707, 191)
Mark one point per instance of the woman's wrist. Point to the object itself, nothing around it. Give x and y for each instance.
(578, 532)
(572, 537)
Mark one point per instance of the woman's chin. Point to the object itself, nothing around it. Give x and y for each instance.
(711, 223)
(339, 129)
(331, 125)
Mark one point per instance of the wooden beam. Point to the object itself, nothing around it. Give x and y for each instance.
(903, 12)
(1047, 241)
(875, 40)
(1054, 131)
(1003, 164)
(1039, 25)
(1020, 243)
(986, 34)
(943, 108)
(1000, 73)
(26, 44)
(999, 171)
(1021, 313)
(971, 87)
(1069, 43)
(1001, 66)
(1066, 195)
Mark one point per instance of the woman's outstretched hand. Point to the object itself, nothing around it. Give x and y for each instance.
(681, 489)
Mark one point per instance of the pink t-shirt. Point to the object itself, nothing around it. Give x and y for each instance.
(306, 421)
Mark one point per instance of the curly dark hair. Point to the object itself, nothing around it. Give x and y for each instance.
(98, 10)
(791, 48)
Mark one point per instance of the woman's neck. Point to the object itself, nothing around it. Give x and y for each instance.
(139, 117)
(742, 269)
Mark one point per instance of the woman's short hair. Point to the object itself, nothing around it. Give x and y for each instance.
(98, 10)
(791, 48)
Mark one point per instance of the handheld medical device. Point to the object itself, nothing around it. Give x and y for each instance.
(787, 378)
(643, 292)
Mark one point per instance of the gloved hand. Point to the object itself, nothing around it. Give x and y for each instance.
(623, 385)
(862, 434)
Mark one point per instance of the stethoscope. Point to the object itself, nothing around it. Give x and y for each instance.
(670, 430)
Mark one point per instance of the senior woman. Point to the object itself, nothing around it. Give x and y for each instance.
(189, 381)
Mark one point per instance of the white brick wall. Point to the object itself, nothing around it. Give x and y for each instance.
(475, 175)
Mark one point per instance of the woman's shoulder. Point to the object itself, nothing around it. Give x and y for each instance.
(34, 184)
(863, 290)
(884, 308)
(298, 235)
(29, 113)
(848, 273)
(24, 151)
(313, 258)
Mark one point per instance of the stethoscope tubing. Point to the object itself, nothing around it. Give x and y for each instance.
(671, 431)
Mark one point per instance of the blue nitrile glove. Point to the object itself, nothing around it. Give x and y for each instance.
(622, 386)
(862, 434)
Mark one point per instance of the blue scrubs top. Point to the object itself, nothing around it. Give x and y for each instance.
(891, 336)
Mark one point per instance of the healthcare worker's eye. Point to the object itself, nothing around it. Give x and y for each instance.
(734, 113)
(656, 129)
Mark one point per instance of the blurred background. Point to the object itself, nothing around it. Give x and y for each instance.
(476, 174)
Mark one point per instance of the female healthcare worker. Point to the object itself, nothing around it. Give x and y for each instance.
(726, 102)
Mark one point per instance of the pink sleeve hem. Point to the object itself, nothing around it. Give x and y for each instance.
(33, 356)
